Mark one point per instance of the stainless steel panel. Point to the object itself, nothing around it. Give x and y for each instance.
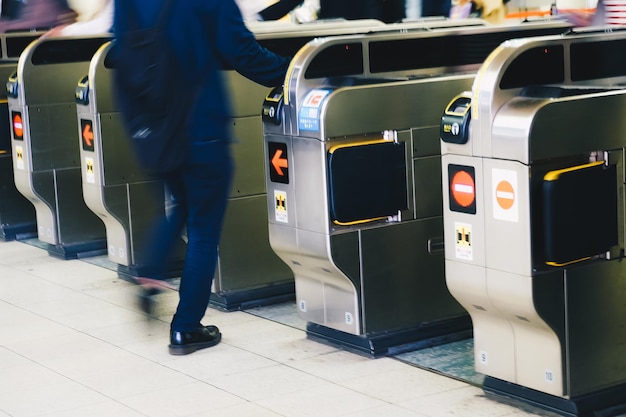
(44, 201)
(76, 223)
(119, 165)
(403, 285)
(427, 188)
(248, 155)
(53, 137)
(596, 320)
(118, 245)
(310, 185)
(351, 110)
(241, 258)
(246, 97)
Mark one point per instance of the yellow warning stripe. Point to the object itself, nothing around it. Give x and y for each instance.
(292, 64)
(361, 143)
(568, 263)
(479, 79)
(554, 175)
(337, 222)
(454, 113)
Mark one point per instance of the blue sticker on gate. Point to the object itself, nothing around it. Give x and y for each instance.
(309, 115)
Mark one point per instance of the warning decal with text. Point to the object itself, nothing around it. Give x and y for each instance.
(463, 241)
(280, 207)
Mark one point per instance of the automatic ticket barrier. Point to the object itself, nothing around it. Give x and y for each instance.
(127, 200)
(353, 180)
(17, 214)
(249, 273)
(43, 138)
(533, 172)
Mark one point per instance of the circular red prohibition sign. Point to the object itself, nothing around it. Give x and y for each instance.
(463, 189)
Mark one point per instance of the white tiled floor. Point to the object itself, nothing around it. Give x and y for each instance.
(74, 344)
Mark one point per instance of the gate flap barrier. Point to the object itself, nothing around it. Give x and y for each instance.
(580, 212)
(367, 181)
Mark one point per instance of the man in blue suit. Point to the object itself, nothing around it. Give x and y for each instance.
(209, 35)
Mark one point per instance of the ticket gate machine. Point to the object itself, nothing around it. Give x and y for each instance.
(533, 173)
(126, 200)
(17, 214)
(353, 183)
(43, 138)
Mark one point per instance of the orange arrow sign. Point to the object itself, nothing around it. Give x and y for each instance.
(279, 163)
(88, 135)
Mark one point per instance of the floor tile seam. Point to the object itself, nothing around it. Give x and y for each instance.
(67, 379)
(89, 335)
(84, 332)
(386, 401)
(203, 382)
(83, 261)
(87, 293)
(414, 413)
(273, 364)
(446, 394)
(338, 384)
(327, 380)
(58, 283)
(91, 296)
(270, 410)
(121, 400)
(111, 399)
(319, 380)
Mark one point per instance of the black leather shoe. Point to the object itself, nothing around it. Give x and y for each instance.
(147, 300)
(183, 343)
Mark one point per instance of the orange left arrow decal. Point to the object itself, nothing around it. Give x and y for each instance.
(88, 135)
(279, 163)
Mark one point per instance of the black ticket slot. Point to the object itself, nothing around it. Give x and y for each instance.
(580, 212)
(272, 106)
(82, 91)
(12, 86)
(455, 120)
(367, 181)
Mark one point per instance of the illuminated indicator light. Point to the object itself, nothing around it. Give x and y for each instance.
(278, 162)
(505, 195)
(88, 135)
(463, 189)
(18, 127)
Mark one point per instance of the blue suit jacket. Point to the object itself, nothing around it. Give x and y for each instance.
(210, 35)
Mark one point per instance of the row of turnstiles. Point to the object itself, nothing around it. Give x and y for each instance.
(412, 183)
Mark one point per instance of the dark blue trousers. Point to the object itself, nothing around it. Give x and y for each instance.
(199, 192)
